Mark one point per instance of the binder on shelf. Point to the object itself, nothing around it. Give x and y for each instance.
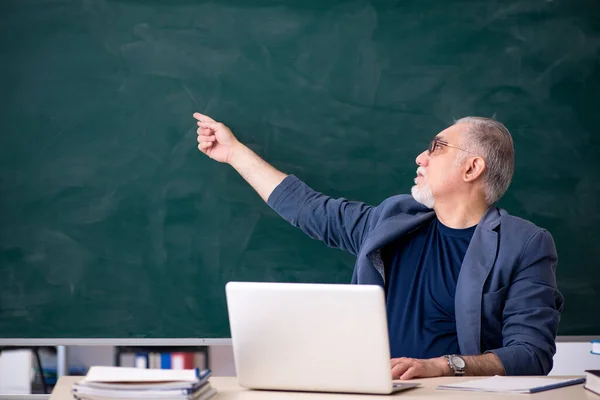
(182, 360)
(141, 360)
(165, 360)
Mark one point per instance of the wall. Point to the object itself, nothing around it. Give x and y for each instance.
(570, 359)
(574, 359)
(15, 367)
(16, 372)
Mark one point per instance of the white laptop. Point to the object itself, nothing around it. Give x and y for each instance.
(311, 337)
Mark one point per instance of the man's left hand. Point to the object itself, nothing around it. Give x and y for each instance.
(409, 368)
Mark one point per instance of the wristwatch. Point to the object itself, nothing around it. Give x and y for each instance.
(457, 363)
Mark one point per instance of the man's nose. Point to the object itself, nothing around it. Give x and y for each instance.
(422, 159)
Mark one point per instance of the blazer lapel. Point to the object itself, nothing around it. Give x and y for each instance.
(474, 271)
(393, 228)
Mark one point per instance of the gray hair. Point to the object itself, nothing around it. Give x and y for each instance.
(490, 139)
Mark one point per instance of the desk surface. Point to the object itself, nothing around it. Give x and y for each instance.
(228, 389)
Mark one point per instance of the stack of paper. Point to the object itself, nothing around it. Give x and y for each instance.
(102, 383)
(508, 384)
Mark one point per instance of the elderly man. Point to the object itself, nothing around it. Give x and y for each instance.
(470, 289)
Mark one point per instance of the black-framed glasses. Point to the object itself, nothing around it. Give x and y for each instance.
(437, 143)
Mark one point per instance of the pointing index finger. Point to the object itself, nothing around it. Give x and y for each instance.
(202, 117)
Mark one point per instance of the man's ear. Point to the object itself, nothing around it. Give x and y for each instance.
(474, 168)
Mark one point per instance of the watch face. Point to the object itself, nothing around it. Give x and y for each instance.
(458, 362)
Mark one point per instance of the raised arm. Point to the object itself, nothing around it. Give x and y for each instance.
(338, 222)
(216, 141)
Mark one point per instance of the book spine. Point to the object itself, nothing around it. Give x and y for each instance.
(155, 360)
(182, 360)
(165, 360)
(141, 360)
(590, 389)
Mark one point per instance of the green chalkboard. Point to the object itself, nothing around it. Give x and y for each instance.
(113, 225)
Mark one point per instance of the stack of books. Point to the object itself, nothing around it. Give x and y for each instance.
(102, 383)
(592, 381)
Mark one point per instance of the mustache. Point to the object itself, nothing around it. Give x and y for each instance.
(421, 171)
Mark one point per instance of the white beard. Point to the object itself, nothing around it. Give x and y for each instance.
(423, 195)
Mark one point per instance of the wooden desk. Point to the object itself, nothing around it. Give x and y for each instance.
(229, 390)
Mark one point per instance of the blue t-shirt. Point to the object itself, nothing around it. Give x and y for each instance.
(422, 274)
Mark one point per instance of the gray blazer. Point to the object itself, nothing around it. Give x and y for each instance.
(506, 301)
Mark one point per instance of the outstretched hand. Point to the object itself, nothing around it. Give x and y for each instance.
(215, 139)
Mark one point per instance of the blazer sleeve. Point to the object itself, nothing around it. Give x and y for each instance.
(337, 222)
(532, 310)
